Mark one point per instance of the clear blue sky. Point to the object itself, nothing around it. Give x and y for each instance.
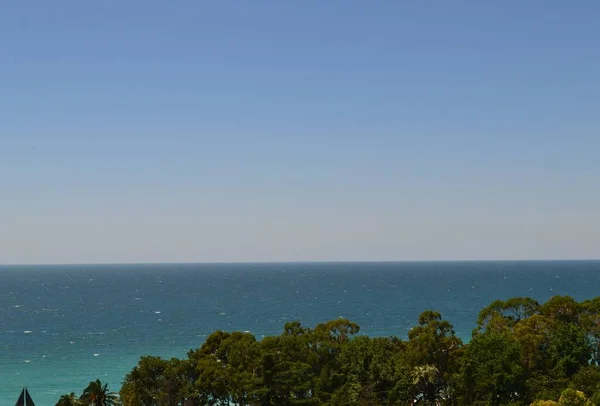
(143, 131)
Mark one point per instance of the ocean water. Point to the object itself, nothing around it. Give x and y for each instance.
(62, 326)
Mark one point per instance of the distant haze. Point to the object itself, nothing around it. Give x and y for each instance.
(298, 131)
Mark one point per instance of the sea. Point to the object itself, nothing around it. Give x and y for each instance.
(63, 326)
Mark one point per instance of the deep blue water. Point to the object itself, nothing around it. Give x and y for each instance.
(62, 326)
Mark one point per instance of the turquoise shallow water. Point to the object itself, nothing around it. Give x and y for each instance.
(62, 326)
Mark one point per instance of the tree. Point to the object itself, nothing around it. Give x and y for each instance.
(287, 370)
(156, 381)
(226, 368)
(336, 331)
(568, 350)
(492, 371)
(533, 336)
(240, 354)
(501, 316)
(590, 321)
(294, 328)
(144, 384)
(572, 397)
(562, 308)
(366, 370)
(586, 380)
(178, 381)
(68, 399)
(522, 352)
(427, 378)
(97, 394)
(327, 341)
(434, 348)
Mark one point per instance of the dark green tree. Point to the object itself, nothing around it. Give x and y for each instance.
(144, 385)
(562, 308)
(96, 394)
(521, 353)
(286, 370)
(589, 317)
(69, 399)
(326, 341)
(433, 352)
(586, 380)
(500, 315)
(492, 371)
(568, 350)
(367, 371)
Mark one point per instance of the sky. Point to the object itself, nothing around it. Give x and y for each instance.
(188, 131)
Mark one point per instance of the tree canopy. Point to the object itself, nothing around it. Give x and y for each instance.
(521, 353)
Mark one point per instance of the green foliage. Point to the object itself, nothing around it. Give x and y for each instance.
(533, 337)
(69, 399)
(96, 394)
(569, 350)
(562, 308)
(544, 403)
(367, 371)
(504, 315)
(491, 371)
(589, 318)
(586, 380)
(433, 352)
(521, 353)
(572, 397)
(544, 387)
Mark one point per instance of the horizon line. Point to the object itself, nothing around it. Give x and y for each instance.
(301, 262)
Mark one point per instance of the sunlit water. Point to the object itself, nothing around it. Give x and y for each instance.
(62, 326)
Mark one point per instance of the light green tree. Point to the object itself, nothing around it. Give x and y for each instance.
(572, 397)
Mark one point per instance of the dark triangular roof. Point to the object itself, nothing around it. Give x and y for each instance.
(21, 400)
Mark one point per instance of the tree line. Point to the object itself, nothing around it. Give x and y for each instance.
(522, 352)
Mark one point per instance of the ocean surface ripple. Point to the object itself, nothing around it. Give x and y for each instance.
(62, 326)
